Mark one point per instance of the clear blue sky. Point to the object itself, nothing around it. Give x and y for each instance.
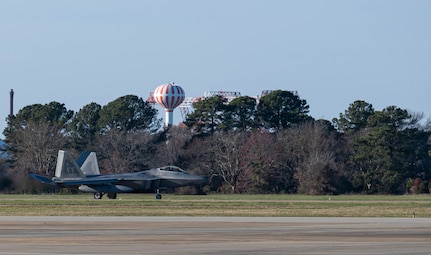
(331, 52)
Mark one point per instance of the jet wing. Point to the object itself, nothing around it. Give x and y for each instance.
(97, 180)
(101, 180)
(86, 182)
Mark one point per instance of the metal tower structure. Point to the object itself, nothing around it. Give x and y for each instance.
(187, 106)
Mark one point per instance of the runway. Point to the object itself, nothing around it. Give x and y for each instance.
(213, 235)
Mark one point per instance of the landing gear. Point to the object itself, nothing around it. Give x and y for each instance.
(158, 195)
(112, 195)
(98, 195)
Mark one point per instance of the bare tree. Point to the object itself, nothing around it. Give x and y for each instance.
(269, 170)
(37, 145)
(198, 158)
(312, 151)
(229, 160)
(171, 148)
(121, 152)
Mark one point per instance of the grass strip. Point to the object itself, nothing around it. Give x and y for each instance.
(217, 205)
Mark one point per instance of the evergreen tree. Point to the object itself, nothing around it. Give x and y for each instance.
(83, 126)
(355, 117)
(280, 109)
(242, 114)
(209, 115)
(129, 113)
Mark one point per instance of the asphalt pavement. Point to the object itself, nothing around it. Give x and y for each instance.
(214, 235)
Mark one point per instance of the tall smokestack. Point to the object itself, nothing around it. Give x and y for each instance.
(11, 102)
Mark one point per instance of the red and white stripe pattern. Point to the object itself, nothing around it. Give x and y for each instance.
(169, 96)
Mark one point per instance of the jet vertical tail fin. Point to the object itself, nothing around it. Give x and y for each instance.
(87, 161)
(67, 168)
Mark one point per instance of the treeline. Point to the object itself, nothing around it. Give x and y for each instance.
(245, 146)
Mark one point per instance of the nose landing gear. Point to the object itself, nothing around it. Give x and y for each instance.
(158, 195)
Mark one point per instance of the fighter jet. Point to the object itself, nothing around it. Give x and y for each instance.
(84, 175)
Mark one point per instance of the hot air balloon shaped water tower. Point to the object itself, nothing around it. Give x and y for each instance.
(169, 96)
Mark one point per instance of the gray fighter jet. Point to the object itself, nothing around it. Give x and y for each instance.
(84, 175)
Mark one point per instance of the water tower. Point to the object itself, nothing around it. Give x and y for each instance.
(169, 96)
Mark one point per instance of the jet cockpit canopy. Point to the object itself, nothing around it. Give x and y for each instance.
(172, 169)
